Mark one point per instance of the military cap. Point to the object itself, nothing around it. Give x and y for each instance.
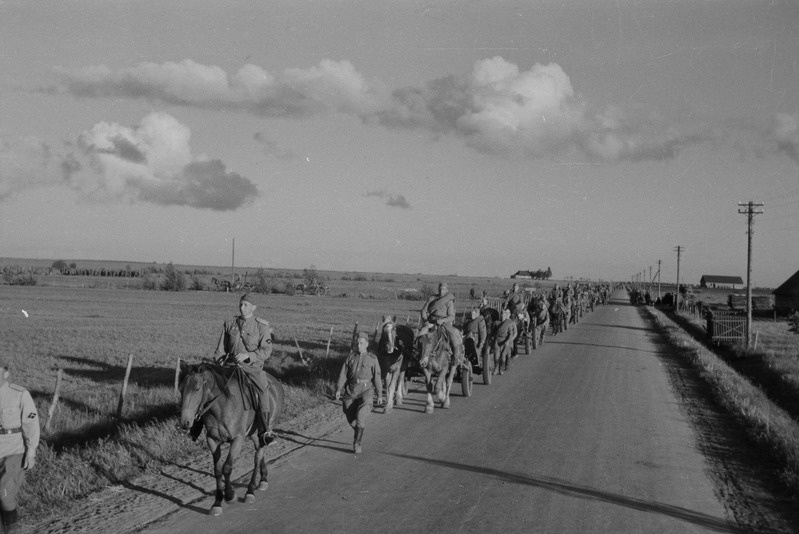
(247, 298)
(363, 335)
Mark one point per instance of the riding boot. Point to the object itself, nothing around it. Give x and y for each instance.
(10, 520)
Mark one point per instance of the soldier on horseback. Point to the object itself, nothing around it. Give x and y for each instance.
(439, 310)
(247, 341)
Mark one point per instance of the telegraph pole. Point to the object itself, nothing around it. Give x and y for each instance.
(750, 213)
(679, 250)
(233, 264)
(658, 278)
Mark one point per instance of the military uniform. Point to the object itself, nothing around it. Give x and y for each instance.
(358, 374)
(514, 303)
(252, 336)
(19, 436)
(475, 329)
(440, 310)
(503, 343)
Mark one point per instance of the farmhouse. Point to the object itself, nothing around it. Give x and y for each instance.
(786, 297)
(522, 274)
(727, 282)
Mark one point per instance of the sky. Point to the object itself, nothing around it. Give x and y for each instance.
(454, 137)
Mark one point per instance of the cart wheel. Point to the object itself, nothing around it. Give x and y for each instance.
(466, 380)
(486, 366)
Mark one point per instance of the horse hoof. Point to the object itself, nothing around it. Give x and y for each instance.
(428, 409)
(399, 402)
(263, 486)
(445, 405)
(249, 498)
(216, 510)
(441, 396)
(388, 409)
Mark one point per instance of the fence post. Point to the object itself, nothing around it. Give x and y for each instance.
(121, 404)
(56, 394)
(329, 338)
(354, 335)
(299, 349)
(177, 376)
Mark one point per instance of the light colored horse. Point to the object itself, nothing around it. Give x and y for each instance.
(394, 349)
(435, 359)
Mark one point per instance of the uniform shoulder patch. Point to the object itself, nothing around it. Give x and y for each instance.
(262, 321)
(16, 387)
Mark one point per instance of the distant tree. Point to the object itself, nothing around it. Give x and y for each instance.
(310, 275)
(174, 280)
(196, 284)
(60, 266)
(549, 273)
(260, 282)
(73, 265)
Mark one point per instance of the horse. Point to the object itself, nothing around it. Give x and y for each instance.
(220, 397)
(393, 353)
(435, 357)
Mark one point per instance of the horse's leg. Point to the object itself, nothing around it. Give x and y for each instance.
(400, 387)
(391, 385)
(428, 380)
(227, 468)
(216, 455)
(450, 377)
(249, 497)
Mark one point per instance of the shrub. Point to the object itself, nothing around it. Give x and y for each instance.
(196, 284)
(174, 280)
(16, 276)
(148, 282)
(260, 283)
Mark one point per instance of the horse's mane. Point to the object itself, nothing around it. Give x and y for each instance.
(220, 373)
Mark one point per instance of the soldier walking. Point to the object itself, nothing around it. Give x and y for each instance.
(19, 437)
(359, 373)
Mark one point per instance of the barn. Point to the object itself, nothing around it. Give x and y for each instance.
(522, 274)
(716, 281)
(786, 297)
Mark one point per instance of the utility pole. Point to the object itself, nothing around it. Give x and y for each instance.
(233, 264)
(750, 213)
(679, 250)
(658, 278)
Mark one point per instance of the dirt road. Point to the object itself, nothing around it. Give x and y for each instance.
(587, 434)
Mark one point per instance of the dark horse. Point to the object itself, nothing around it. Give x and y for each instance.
(222, 398)
(394, 350)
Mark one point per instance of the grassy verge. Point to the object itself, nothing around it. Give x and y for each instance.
(768, 425)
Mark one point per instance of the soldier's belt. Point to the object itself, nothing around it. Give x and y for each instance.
(10, 430)
(360, 381)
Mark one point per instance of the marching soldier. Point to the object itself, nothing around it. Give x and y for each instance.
(503, 342)
(19, 437)
(475, 329)
(360, 371)
(247, 340)
(440, 310)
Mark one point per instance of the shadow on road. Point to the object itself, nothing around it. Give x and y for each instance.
(558, 342)
(716, 524)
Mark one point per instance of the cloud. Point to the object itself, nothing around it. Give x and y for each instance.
(25, 163)
(271, 148)
(151, 162)
(785, 133)
(498, 108)
(331, 85)
(395, 201)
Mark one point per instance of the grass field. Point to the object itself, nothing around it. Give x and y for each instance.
(89, 325)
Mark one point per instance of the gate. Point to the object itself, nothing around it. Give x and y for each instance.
(726, 326)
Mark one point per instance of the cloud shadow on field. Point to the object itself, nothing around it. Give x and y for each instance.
(716, 524)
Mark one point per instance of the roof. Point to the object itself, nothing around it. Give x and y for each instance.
(789, 287)
(716, 279)
(522, 273)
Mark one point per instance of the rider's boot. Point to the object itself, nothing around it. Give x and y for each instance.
(264, 415)
(10, 521)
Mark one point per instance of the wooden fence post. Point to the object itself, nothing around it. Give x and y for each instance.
(329, 338)
(299, 349)
(354, 335)
(121, 404)
(56, 394)
(177, 376)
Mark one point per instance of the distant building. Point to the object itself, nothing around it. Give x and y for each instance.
(522, 274)
(786, 297)
(715, 281)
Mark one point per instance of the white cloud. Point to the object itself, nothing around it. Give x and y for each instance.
(151, 162)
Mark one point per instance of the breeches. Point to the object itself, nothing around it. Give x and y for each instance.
(358, 409)
(11, 478)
